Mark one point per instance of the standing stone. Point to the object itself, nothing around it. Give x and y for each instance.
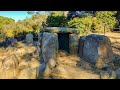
(73, 44)
(97, 50)
(49, 50)
(40, 37)
(29, 38)
(49, 46)
(81, 45)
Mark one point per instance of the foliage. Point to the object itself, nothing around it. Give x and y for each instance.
(56, 21)
(97, 25)
(97, 20)
(107, 18)
(57, 13)
(5, 25)
(84, 24)
(32, 24)
(83, 20)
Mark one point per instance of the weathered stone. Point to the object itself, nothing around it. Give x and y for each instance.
(42, 67)
(61, 30)
(49, 53)
(49, 46)
(73, 44)
(97, 50)
(29, 38)
(40, 37)
(81, 45)
(47, 71)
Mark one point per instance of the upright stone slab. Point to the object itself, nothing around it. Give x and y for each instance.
(29, 38)
(49, 51)
(49, 46)
(40, 37)
(73, 44)
(97, 49)
(81, 45)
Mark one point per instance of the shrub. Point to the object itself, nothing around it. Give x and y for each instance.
(107, 19)
(56, 21)
(84, 24)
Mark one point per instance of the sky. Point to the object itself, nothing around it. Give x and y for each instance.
(16, 15)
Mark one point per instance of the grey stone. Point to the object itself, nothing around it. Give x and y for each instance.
(62, 30)
(49, 46)
(42, 67)
(81, 45)
(29, 38)
(73, 44)
(97, 50)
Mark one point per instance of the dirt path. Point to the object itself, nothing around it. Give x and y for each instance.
(72, 67)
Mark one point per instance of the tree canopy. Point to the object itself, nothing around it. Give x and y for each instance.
(86, 21)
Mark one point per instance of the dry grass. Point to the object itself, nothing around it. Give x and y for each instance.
(26, 57)
(68, 67)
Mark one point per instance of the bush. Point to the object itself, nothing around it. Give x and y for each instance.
(56, 21)
(97, 26)
(107, 19)
(84, 24)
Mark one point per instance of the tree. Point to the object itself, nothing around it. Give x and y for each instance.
(83, 23)
(107, 18)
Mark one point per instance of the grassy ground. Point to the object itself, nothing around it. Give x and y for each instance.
(73, 67)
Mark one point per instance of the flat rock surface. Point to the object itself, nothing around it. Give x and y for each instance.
(62, 29)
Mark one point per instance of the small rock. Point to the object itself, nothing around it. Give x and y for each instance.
(29, 38)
